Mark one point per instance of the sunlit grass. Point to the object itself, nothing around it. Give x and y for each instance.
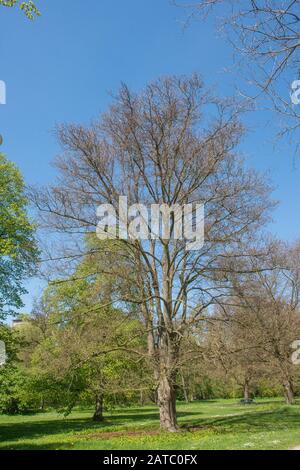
(220, 424)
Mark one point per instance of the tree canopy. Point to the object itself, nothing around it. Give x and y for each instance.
(18, 249)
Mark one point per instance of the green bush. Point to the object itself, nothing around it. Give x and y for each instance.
(15, 391)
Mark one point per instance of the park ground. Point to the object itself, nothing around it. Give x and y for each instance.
(207, 425)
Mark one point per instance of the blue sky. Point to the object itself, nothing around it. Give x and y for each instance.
(63, 66)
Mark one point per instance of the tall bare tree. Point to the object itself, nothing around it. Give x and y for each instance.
(165, 146)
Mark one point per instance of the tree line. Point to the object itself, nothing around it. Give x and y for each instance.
(75, 349)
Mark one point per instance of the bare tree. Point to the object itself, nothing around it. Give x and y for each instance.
(233, 349)
(266, 30)
(267, 34)
(166, 146)
(268, 312)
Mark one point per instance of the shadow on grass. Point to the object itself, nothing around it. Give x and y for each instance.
(68, 426)
(253, 420)
(257, 421)
(31, 446)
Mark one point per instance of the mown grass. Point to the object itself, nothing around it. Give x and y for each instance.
(219, 424)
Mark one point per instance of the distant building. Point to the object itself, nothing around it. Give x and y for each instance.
(19, 323)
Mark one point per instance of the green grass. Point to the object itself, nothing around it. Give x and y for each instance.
(219, 424)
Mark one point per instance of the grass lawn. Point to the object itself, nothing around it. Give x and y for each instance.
(219, 424)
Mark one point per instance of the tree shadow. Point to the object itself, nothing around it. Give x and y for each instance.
(38, 447)
(42, 427)
(254, 422)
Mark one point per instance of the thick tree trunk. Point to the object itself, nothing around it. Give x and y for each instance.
(98, 415)
(289, 392)
(167, 404)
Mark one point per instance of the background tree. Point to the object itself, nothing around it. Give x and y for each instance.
(234, 351)
(270, 313)
(14, 379)
(18, 251)
(84, 352)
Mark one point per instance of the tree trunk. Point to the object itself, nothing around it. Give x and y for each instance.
(167, 404)
(246, 391)
(42, 404)
(289, 392)
(98, 415)
(184, 388)
(13, 407)
(142, 399)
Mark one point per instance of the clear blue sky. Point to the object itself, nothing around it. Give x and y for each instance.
(62, 67)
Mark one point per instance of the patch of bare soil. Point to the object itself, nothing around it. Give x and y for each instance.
(112, 434)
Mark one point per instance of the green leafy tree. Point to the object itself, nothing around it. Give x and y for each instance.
(18, 251)
(14, 395)
(29, 8)
(14, 379)
(88, 351)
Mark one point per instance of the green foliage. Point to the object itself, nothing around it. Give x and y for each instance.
(15, 396)
(268, 388)
(15, 393)
(29, 8)
(18, 251)
(85, 351)
(12, 342)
